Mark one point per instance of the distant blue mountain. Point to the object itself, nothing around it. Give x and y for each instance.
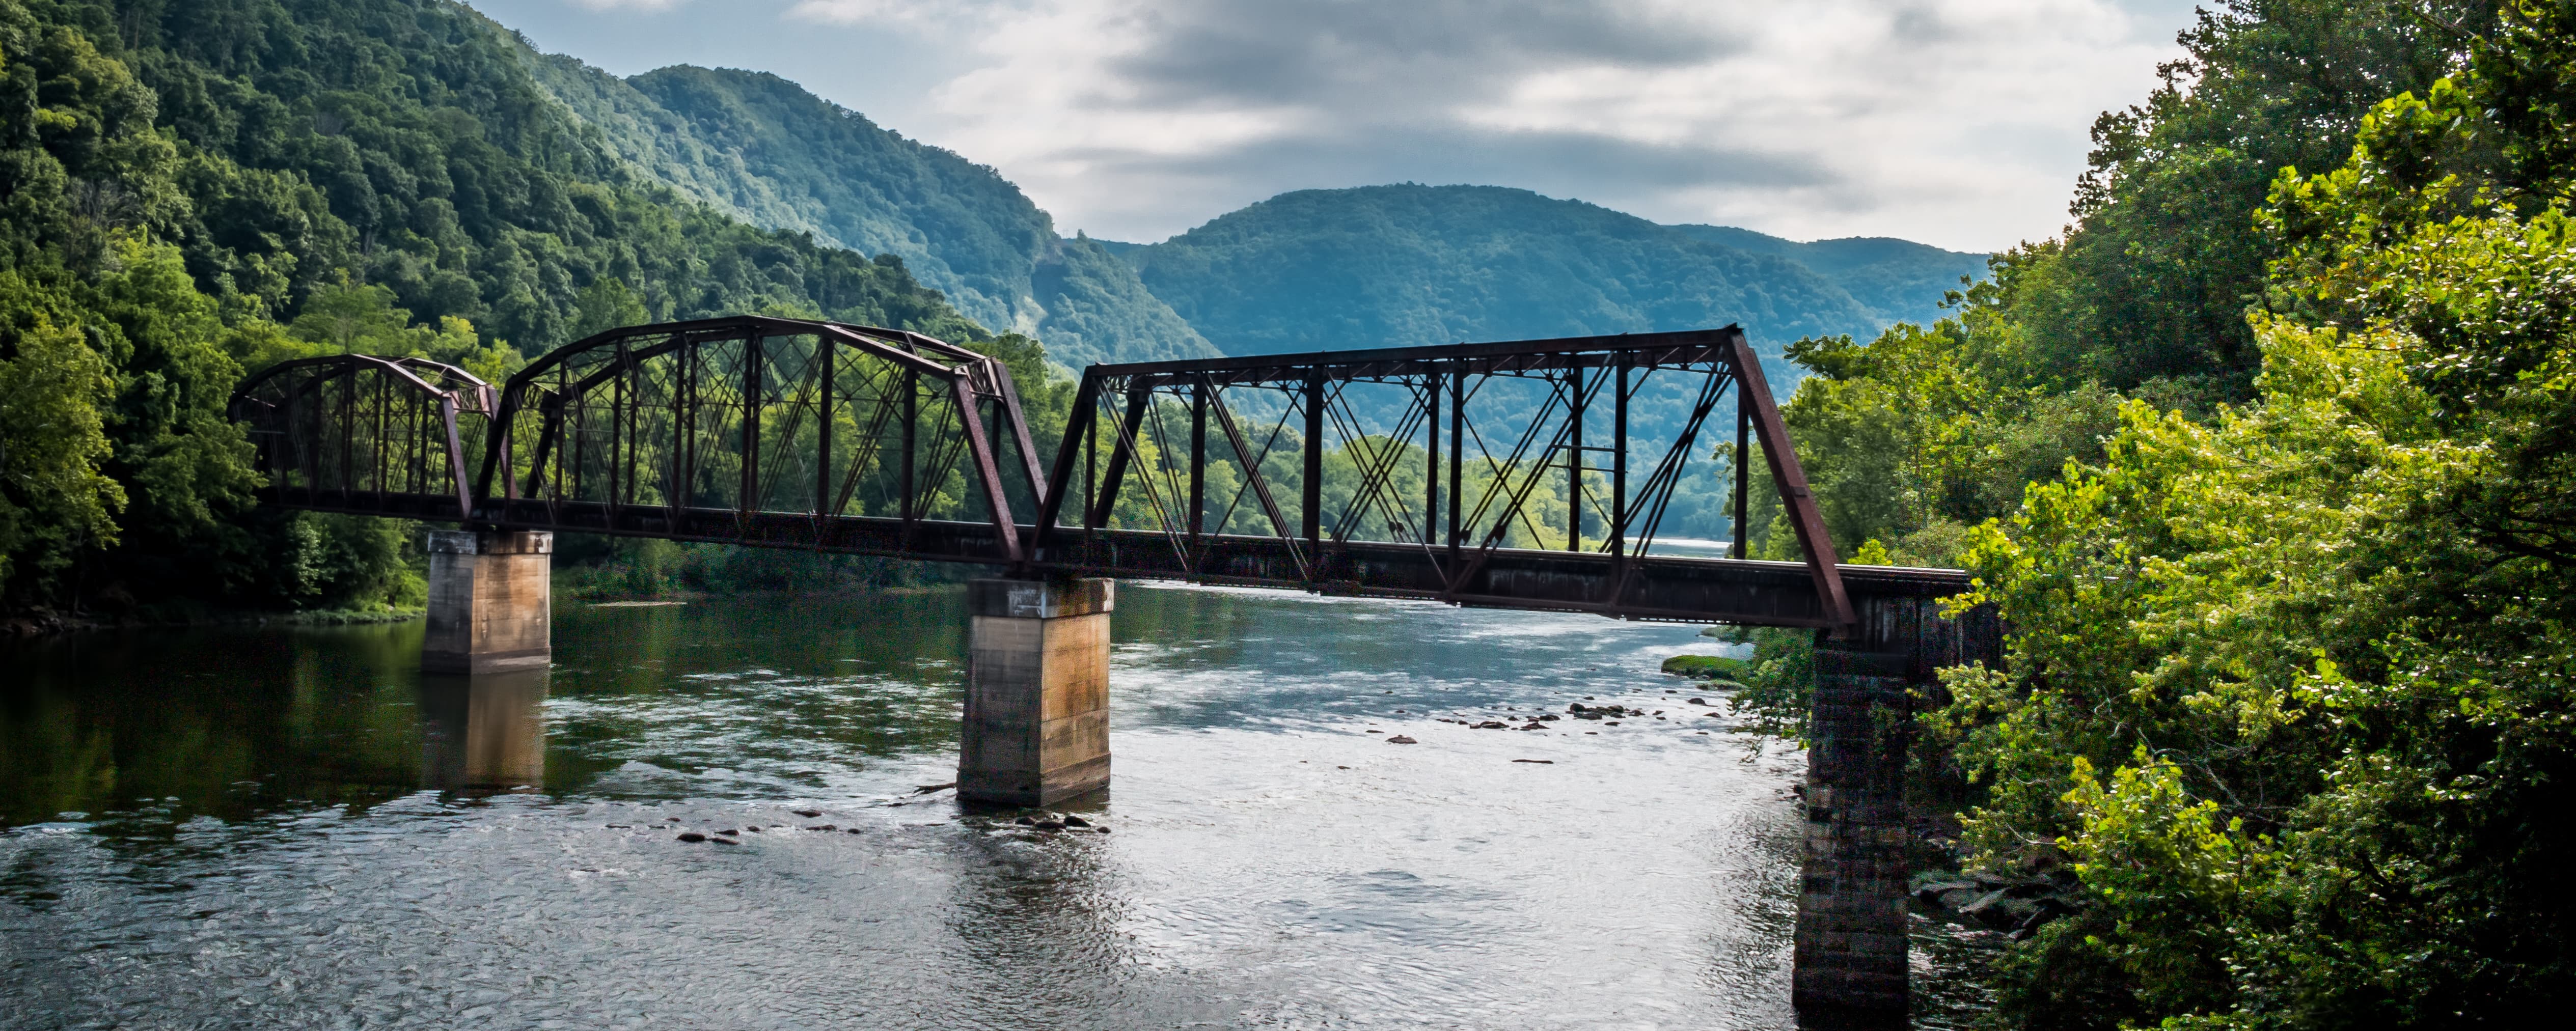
(1407, 264)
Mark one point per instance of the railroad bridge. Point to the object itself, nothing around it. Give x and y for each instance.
(1531, 474)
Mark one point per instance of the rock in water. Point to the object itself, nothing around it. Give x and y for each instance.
(1076, 821)
(1400, 739)
(692, 836)
(807, 813)
(1542, 762)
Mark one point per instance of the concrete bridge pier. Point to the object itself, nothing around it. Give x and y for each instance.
(490, 601)
(1036, 730)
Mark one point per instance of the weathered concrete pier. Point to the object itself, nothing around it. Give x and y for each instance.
(491, 606)
(1036, 729)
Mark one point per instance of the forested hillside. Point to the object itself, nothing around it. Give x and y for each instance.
(189, 189)
(2267, 465)
(764, 150)
(1897, 280)
(1410, 265)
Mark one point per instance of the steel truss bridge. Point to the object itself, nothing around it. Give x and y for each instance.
(1532, 474)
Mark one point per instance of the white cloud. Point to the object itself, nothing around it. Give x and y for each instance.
(1956, 123)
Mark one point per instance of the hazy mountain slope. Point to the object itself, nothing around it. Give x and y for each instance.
(1400, 265)
(762, 148)
(1900, 280)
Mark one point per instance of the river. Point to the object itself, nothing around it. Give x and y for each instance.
(289, 827)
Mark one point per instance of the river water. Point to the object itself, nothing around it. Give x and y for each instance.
(293, 828)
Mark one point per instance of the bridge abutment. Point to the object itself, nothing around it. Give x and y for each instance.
(1851, 943)
(490, 601)
(1036, 730)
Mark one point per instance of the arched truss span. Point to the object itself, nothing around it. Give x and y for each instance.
(760, 430)
(366, 434)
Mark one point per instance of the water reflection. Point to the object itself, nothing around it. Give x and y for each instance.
(482, 734)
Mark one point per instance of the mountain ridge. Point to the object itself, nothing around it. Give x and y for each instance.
(1409, 264)
(764, 149)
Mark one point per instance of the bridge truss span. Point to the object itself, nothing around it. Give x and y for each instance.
(365, 434)
(758, 430)
(1534, 474)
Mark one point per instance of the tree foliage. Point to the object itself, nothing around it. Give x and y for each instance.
(2289, 682)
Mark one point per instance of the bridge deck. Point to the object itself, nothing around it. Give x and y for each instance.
(1654, 587)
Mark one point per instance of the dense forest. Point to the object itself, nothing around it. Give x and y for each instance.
(2267, 464)
(189, 189)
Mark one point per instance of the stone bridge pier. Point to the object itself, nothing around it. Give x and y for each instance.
(1851, 948)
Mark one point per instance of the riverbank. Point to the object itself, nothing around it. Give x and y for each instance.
(48, 623)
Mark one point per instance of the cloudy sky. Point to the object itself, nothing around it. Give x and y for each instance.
(1961, 124)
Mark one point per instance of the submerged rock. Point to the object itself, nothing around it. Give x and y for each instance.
(1400, 739)
(807, 813)
(692, 837)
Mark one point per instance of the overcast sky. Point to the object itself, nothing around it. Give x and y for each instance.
(1954, 123)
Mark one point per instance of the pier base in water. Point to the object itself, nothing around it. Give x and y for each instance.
(490, 605)
(1851, 944)
(1036, 730)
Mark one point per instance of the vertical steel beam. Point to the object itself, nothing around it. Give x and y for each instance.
(1198, 461)
(1619, 462)
(1457, 453)
(1313, 488)
(750, 500)
(1743, 456)
(1574, 456)
(1430, 458)
(824, 347)
(905, 505)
